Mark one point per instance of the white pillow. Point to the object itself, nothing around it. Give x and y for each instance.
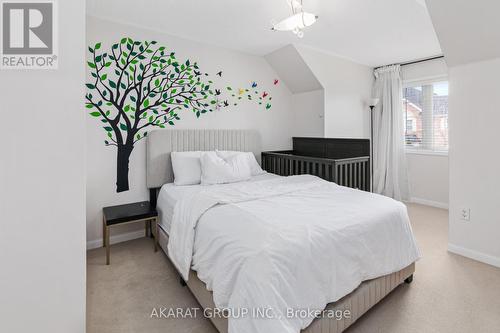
(216, 170)
(252, 162)
(186, 166)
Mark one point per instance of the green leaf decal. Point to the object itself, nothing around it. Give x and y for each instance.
(138, 84)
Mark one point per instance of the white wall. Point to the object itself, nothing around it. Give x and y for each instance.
(347, 87)
(424, 70)
(474, 160)
(308, 109)
(428, 179)
(428, 174)
(275, 125)
(292, 69)
(308, 99)
(42, 189)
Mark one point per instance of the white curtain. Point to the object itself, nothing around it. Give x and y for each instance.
(389, 160)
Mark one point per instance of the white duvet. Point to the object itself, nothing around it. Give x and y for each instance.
(287, 244)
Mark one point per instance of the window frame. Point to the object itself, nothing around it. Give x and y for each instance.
(422, 82)
(409, 121)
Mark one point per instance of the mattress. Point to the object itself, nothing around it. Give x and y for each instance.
(170, 194)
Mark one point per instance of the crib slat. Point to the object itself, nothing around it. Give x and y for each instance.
(351, 172)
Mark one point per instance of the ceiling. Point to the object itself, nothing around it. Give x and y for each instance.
(468, 33)
(371, 32)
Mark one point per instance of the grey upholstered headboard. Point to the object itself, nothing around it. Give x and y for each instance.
(161, 142)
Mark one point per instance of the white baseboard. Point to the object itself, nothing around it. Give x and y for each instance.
(94, 244)
(431, 203)
(479, 256)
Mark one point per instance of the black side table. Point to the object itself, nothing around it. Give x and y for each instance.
(129, 213)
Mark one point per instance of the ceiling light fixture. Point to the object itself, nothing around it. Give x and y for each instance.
(297, 21)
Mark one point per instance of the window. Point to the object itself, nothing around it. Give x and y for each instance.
(409, 125)
(425, 108)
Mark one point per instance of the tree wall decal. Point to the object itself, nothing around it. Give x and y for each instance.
(139, 86)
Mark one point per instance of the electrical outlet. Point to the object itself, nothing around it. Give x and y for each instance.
(465, 214)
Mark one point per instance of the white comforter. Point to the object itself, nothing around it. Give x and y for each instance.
(292, 243)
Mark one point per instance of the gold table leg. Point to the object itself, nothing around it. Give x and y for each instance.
(156, 234)
(103, 231)
(107, 245)
(150, 230)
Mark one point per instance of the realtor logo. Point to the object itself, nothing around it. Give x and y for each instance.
(28, 35)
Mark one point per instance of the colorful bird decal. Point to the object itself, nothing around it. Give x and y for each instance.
(254, 85)
(219, 73)
(276, 81)
(264, 95)
(241, 91)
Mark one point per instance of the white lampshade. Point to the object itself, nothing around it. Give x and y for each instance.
(297, 21)
(373, 102)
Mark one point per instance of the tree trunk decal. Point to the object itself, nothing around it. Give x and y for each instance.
(138, 86)
(122, 167)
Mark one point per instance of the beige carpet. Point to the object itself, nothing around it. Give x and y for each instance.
(449, 293)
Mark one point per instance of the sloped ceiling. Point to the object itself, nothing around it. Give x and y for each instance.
(468, 31)
(293, 70)
(369, 32)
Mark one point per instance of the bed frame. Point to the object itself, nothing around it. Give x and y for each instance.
(159, 172)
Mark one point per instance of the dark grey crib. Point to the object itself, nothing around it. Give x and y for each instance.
(343, 161)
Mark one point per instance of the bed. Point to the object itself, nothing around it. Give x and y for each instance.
(261, 244)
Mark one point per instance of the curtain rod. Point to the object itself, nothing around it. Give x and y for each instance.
(416, 61)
